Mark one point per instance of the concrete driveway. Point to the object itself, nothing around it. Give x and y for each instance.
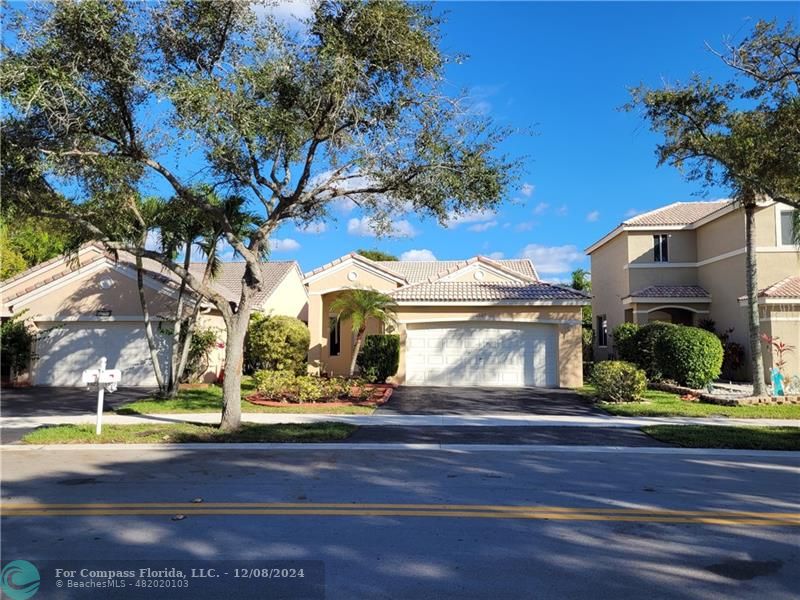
(42, 401)
(425, 400)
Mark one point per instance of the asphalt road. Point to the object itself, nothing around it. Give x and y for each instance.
(414, 524)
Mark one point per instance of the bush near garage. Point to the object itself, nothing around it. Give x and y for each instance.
(624, 336)
(276, 343)
(689, 356)
(619, 381)
(379, 358)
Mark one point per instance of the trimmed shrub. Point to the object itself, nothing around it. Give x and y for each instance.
(624, 336)
(276, 343)
(289, 387)
(379, 357)
(618, 381)
(689, 355)
(646, 340)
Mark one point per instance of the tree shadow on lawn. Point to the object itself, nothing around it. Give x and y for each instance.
(423, 557)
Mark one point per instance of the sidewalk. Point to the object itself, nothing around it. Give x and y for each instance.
(489, 420)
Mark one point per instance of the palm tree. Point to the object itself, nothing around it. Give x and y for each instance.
(360, 305)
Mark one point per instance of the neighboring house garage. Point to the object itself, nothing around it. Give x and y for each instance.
(88, 308)
(476, 322)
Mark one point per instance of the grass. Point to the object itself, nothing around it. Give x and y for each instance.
(209, 400)
(665, 404)
(714, 436)
(182, 433)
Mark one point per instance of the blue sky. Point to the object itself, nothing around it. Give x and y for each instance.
(563, 68)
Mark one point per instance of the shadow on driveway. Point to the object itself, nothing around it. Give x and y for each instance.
(58, 401)
(424, 400)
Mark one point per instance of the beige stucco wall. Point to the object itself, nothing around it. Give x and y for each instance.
(289, 298)
(782, 321)
(610, 285)
(682, 246)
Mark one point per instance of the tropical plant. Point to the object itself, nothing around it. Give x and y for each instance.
(741, 134)
(359, 306)
(104, 100)
(779, 348)
(200, 346)
(582, 282)
(618, 381)
(276, 343)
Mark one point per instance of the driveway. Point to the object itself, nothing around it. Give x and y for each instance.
(42, 401)
(425, 400)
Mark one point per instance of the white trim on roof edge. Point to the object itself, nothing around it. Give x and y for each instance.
(677, 300)
(348, 262)
(34, 270)
(489, 319)
(505, 272)
(497, 303)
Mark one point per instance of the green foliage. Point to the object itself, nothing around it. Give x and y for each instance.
(689, 355)
(646, 340)
(276, 343)
(25, 242)
(203, 341)
(286, 386)
(16, 343)
(376, 255)
(624, 336)
(618, 381)
(582, 282)
(380, 357)
(359, 305)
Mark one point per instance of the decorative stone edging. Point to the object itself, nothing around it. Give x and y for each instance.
(723, 400)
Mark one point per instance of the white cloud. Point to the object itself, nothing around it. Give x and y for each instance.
(540, 208)
(562, 211)
(593, 216)
(420, 254)
(524, 226)
(313, 228)
(291, 12)
(632, 212)
(366, 227)
(553, 259)
(344, 205)
(496, 255)
(527, 189)
(473, 216)
(284, 245)
(479, 227)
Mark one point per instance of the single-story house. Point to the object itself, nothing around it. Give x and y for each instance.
(475, 322)
(89, 306)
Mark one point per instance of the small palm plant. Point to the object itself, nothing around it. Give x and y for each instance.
(360, 305)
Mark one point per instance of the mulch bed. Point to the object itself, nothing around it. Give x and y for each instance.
(380, 395)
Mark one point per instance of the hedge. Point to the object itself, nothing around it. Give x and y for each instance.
(624, 336)
(276, 343)
(646, 340)
(689, 355)
(379, 358)
(618, 381)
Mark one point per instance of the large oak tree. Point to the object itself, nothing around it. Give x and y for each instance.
(108, 99)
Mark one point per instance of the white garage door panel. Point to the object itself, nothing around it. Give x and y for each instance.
(491, 354)
(67, 350)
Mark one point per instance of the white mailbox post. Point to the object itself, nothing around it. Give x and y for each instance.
(105, 379)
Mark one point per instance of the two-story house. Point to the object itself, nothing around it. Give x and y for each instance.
(685, 262)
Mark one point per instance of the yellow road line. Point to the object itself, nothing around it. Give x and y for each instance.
(14, 507)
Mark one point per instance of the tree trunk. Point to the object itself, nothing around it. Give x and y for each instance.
(148, 326)
(177, 346)
(756, 359)
(232, 384)
(357, 349)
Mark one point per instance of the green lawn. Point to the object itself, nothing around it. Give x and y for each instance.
(176, 433)
(665, 404)
(712, 436)
(209, 400)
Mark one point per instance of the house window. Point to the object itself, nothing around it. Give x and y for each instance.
(335, 336)
(602, 331)
(786, 228)
(661, 248)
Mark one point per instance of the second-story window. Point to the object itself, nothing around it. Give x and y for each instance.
(661, 248)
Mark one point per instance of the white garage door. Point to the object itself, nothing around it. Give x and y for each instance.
(66, 351)
(481, 354)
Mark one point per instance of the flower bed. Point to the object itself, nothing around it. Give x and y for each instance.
(692, 395)
(378, 394)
